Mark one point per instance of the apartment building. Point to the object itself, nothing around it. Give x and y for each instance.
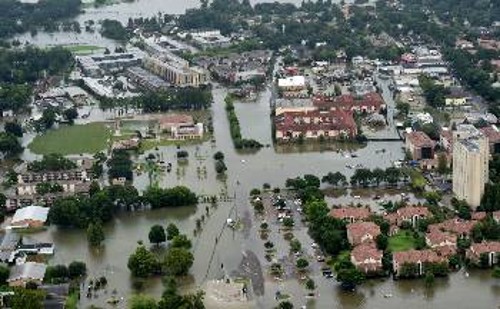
(470, 164)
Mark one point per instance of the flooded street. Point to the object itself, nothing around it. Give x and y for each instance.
(218, 249)
(246, 171)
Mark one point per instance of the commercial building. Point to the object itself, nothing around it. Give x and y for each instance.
(97, 64)
(312, 123)
(180, 127)
(30, 217)
(210, 39)
(419, 145)
(146, 79)
(175, 70)
(27, 272)
(470, 164)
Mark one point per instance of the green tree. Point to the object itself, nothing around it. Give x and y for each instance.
(350, 277)
(302, 263)
(14, 128)
(95, 234)
(310, 285)
(157, 234)
(382, 242)
(142, 301)
(4, 274)
(219, 155)
(172, 231)
(178, 261)
(285, 305)
(77, 269)
(181, 241)
(70, 115)
(442, 167)
(27, 298)
(142, 263)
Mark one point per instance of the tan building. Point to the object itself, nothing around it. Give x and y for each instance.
(470, 164)
(175, 70)
(27, 272)
(419, 145)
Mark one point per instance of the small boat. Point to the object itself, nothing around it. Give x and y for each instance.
(387, 295)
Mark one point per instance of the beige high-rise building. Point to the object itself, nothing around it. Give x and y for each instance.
(470, 164)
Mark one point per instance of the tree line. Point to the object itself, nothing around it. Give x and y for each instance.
(235, 129)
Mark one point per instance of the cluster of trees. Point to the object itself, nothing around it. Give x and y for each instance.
(52, 162)
(113, 29)
(120, 165)
(61, 273)
(220, 165)
(177, 260)
(235, 130)
(157, 197)
(19, 17)
(365, 177)
(164, 101)
(170, 299)
(21, 67)
(491, 198)
(9, 144)
(434, 94)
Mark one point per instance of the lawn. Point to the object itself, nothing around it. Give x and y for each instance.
(78, 139)
(83, 49)
(402, 241)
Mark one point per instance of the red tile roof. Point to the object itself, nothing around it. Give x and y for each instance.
(446, 251)
(406, 213)
(485, 247)
(316, 120)
(436, 238)
(479, 215)
(372, 101)
(419, 139)
(367, 257)
(360, 232)
(457, 226)
(415, 256)
(491, 133)
(357, 213)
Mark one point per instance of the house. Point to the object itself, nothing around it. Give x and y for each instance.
(436, 238)
(370, 102)
(418, 258)
(461, 228)
(457, 97)
(367, 258)
(292, 83)
(419, 145)
(126, 144)
(351, 214)
(410, 214)
(8, 245)
(30, 217)
(493, 135)
(181, 127)
(489, 248)
(446, 140)
(361, 232)
(27, 272)
(478, 215)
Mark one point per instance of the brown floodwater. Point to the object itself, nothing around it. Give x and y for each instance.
(246, 171)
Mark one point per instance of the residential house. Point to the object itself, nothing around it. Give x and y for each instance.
(30, 217)
(361, 232)
(292, 83)
(369, 103)
(367, 258)
(410, 214)
(461, 228)
(456, 98)
(419, 145)
(351, 214)
(27, 272)
(415, 257)
(489, 248)
(492, 133)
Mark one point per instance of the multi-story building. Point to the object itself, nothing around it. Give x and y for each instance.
(470, 164)
(419, 145)
(175, 70)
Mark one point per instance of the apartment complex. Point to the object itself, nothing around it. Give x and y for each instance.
(470, 164)
(175, 70)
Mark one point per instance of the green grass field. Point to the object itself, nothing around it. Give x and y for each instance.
(89, 138)
(83, 49)
(402, 241)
